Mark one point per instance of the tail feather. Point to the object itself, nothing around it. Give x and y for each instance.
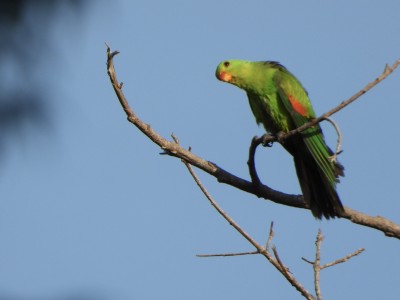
(318, 192)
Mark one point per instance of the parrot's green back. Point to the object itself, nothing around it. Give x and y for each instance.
(279, 102)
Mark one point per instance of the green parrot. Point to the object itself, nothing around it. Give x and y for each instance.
(279, 102)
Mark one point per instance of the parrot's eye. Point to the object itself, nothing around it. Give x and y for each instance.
(226, 64)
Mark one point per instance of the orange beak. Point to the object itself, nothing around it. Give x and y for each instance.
(224, 76)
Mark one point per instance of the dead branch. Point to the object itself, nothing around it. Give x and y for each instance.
(343, 259)
(275, 261)
(228, 254)
(316, 265)
(317, 262)
(388, 227)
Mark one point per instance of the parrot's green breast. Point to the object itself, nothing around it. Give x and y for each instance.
(267, 111)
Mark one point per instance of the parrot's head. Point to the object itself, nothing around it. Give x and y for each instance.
(235, 72)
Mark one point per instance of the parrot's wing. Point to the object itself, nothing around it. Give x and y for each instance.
(296, 102)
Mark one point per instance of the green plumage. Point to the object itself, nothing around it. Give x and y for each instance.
(279, 102)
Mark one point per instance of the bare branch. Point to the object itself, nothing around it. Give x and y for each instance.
(221, 212)
(260, 249)
(228, 254)
(388, 227)
(317, 262)
(308, 261)
(270, 236)
(343, 259)
(387, 71)
(285, 269)
(339, 140)
(251, 162)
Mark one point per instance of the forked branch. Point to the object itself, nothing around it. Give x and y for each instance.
(317, 262)
(273, 259)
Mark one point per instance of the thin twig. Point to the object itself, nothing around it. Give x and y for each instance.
(343, 259)
(228, 254)
(339, 139)
(388, 227)
(221, 211)
(270, 236)
(317, 265)
(278, 259)
(307, 261)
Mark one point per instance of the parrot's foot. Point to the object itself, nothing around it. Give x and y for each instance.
(268, 140)
(333, 157)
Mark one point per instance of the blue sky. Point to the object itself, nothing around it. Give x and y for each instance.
(90, 206)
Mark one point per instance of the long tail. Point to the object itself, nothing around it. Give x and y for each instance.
(318, 192)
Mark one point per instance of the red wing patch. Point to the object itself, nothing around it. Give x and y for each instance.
(297, 106)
